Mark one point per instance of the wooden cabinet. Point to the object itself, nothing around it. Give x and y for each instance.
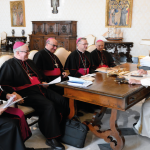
(65, 32)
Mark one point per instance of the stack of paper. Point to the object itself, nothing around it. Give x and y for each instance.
(88, 77)
(106, 69)
(145, 61)
(78, 82)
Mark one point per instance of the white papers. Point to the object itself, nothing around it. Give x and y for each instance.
(106, 69)
(10, 102)
(78, 82)
(135, 75)
(88, 77)
(57, 80)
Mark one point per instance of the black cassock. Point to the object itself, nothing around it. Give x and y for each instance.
(10, 136)
(102, 57)
(77, 60)
(45, 61)
(49, 106)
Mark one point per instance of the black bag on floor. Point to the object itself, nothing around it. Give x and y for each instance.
(75, 133)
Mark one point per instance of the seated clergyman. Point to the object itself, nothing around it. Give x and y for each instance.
(49, 64)
(14, 130)
(21, 75)
(143, 124)
(100, 57)
(79, 61)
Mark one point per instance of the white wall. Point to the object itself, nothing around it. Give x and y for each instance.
(90, 15)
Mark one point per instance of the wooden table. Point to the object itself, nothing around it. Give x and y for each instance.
(108, 93)
(128, 45)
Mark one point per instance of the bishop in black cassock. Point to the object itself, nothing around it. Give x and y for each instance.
(49, 64)
(21, 75)
(79, 62)
(10, 131)
(100, 57)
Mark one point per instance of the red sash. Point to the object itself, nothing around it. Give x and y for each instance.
(24, 128)
(34, 81)
(81, 71)
(102, 66)
(55, 72)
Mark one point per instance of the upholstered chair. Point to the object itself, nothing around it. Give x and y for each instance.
(32, 53)
(91, 48)
(90, 39)
(62, 54)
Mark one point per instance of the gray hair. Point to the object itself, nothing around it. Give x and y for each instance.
(16, 49)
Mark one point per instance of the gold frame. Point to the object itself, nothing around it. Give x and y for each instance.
(15, 4)
(107, 15)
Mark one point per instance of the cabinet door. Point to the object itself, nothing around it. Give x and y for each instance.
(38, 28)
(64, 29)
(63, 42)
(36, 43)
(51, 29)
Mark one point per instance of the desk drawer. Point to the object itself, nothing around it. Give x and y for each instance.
(136, 97)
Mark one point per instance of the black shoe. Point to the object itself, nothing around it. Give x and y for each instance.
(55, 144)
(29, 148)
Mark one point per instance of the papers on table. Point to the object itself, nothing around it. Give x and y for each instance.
(78, 82)
(106, 69)
(88, 77)
(135, 75)
(10, 102)
(57, 80)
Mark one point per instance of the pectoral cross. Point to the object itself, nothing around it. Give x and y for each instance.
(101, 63)
(56, 65)
(85, 70)
(29, 76)
(54, 4)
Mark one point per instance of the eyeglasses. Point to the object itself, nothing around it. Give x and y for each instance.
(53, 45)
(24, 51)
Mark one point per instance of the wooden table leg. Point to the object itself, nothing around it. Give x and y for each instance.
(72, 108)
(108, 135)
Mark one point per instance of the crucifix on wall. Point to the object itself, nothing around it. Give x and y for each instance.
(54, 4)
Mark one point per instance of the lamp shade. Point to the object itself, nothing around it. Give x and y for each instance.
(145, 42)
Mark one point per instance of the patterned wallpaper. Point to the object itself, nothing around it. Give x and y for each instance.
(90, 15)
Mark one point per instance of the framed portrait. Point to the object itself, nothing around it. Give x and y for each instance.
(118, 13)
(17, 13)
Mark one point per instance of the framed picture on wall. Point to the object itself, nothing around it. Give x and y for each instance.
(17, 13)
(118, 13)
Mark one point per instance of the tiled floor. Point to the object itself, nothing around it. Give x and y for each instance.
(125, 119)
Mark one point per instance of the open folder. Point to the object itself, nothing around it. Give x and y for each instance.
(10, 102)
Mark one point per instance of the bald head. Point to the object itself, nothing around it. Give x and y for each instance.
(100, 45)
(51, 45)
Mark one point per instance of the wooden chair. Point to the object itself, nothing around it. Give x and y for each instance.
(90, 39)
(62, 54)
(91, 48)
(28, 111)
(32, 53)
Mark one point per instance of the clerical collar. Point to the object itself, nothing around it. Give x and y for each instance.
(80, 51)
(20, 60)
(49, 51)
(99, 51)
